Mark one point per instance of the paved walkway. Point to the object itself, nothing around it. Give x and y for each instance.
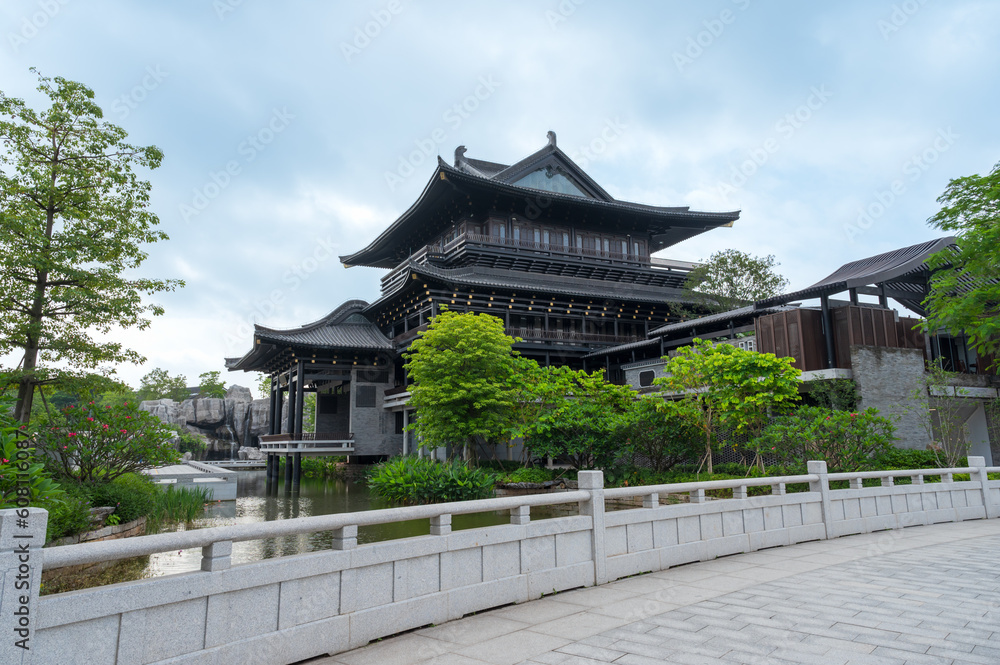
(920, 595)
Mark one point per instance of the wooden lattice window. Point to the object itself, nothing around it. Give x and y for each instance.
(364, 397)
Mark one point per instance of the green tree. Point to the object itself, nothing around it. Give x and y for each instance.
(73, 218)
(731, 279)
(720, 385)
(658, 431)
(210, 385)
(158, 384)
(964, 290)
(580, 419)
(462, 368)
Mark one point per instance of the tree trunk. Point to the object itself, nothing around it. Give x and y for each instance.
(26, 388)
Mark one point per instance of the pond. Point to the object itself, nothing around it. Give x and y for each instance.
(316, 497)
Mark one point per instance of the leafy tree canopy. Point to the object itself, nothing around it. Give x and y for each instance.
(731, 279)
(723, 385)
(158, 384)
(579, 417)
(73, 218)
(462, 368)
(965, 290)
(210, 385)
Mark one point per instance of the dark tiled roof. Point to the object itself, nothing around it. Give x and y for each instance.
(344, 328)
(896, 269)
(343, 336)
(720, 317)
(668, 225)
(611, 350)
(512, 279)
(488, 169)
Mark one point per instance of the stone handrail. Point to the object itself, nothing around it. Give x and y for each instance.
(71, 555)
(700, 487)
(292, 608)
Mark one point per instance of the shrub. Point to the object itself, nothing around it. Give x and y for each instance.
(897, 458)
(23, 478)
(68, 516)
(322, 467)
(91, 444)
(846, 441)
(525, 475)
(188, 442)
(132, 495)
(411, 480)
(655, 431)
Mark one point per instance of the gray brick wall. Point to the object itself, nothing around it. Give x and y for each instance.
(373, 427)
(887, 379)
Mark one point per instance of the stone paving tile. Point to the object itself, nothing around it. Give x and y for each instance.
(925, 595)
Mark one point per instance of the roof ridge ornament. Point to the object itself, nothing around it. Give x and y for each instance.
(551, 135)
(460, 155)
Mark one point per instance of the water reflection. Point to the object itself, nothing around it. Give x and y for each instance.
(316, 497)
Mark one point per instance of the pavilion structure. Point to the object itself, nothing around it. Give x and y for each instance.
(819, 336)
(538, 243)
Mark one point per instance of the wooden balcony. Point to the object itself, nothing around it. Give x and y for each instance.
(642, 268)
(531, 334)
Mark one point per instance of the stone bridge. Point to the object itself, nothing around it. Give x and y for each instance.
(298, 607)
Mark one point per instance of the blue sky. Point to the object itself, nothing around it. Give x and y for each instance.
(296, 131)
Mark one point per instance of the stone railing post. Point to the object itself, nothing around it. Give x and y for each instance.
(22, 535)
(823, 487)
(593, 482)
(217, 556)
(979, 463)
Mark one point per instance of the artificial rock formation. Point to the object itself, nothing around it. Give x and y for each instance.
(230, 422)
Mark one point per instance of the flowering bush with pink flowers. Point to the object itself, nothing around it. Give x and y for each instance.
(90, 443)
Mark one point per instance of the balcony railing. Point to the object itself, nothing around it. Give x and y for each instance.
(550, 249)
(564, 336)
(306, 436)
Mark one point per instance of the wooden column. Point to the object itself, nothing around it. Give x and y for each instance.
(828, 331)
(271, 410)
(299, 396)
(290, 428)
(279, 406)
(300, 399)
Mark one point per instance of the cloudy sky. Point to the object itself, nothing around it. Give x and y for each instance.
(296, 131)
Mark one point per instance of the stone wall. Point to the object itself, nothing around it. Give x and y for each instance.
(888, 379)
(374, 428)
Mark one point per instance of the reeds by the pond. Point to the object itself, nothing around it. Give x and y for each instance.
(180, 504)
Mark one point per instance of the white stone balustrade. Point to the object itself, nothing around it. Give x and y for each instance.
(291, 608)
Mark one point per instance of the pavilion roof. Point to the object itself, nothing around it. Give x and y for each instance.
(345, 328)
(478, 276)
(903, 272)
(451, 190)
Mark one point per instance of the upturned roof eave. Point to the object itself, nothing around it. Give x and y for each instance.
(448, 176)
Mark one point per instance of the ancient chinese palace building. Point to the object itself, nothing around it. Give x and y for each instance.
(537, 243)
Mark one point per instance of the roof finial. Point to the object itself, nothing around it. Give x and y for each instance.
(552, 138)
(459, 155)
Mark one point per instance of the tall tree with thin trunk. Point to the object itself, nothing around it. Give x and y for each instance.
(731, 279)
(73, 218)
